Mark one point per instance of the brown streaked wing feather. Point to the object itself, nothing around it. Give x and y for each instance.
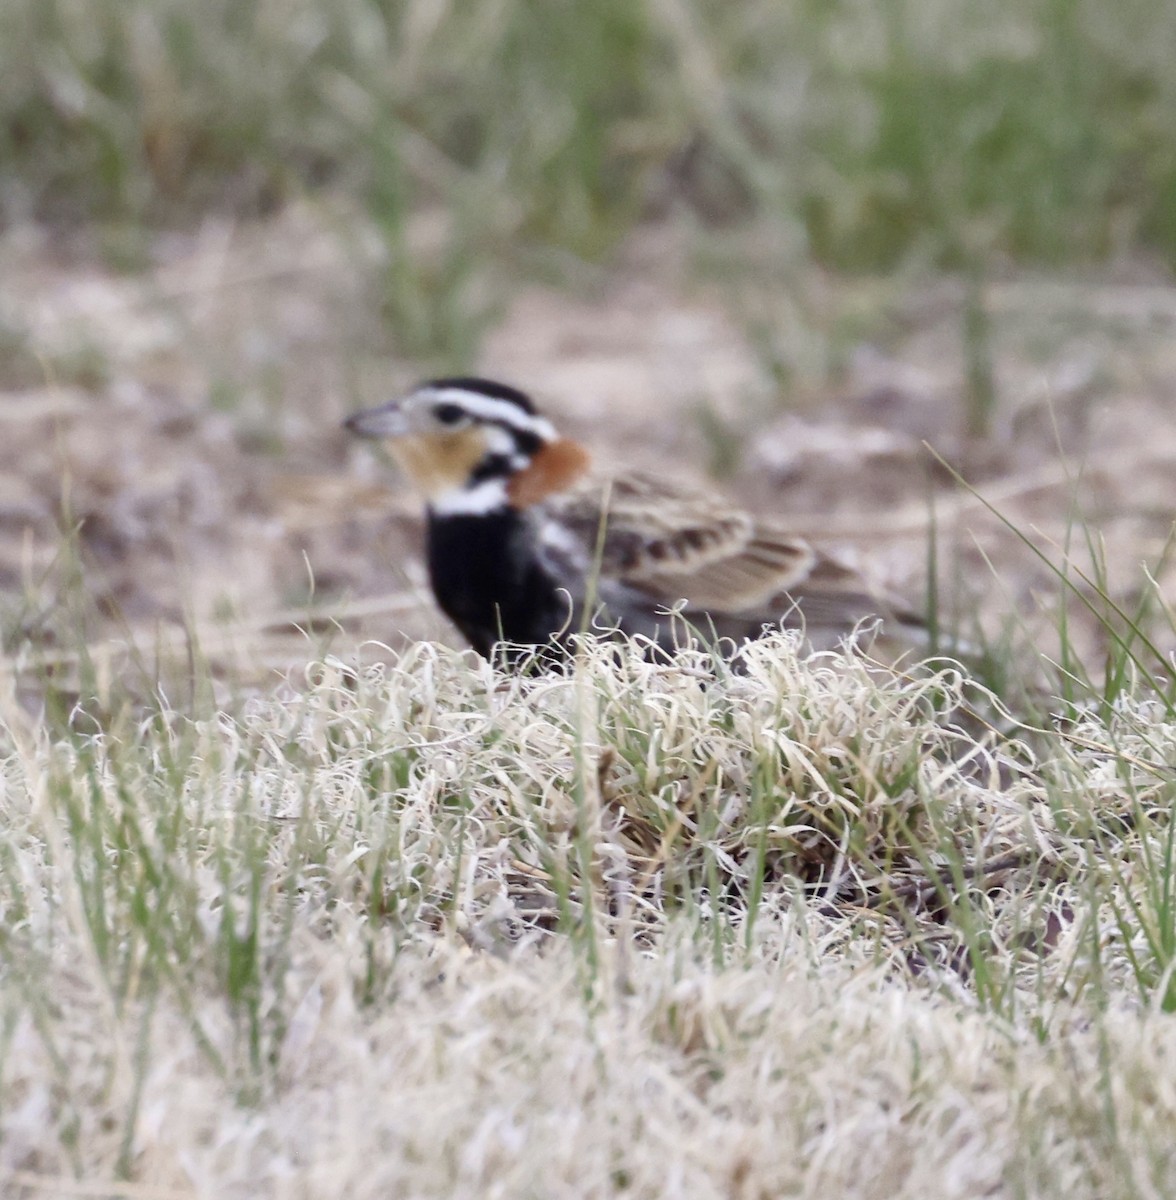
(653, 527)
(835, 596)
(749, 578)
(674, 544)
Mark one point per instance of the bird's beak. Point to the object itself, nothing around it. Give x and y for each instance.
(388, 420)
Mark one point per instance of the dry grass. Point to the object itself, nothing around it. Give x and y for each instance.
(421, 929)
(418, 929)
(644, 930)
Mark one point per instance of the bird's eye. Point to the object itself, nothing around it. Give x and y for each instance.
(449, 414)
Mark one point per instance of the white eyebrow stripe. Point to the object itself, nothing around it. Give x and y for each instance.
(490, 408)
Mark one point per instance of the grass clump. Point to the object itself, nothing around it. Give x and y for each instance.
(410, 917)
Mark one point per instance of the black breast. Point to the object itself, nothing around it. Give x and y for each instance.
(488, 579)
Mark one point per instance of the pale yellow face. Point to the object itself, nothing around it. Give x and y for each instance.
(438, 462)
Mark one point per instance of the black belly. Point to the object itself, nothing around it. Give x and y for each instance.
(489, 582)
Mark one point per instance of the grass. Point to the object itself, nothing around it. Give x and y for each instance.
(427, 928)
(810, 927)
(1033, 132)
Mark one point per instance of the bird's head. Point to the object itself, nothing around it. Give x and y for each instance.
(473, 446)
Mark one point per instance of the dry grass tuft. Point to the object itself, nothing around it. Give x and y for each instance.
(638, 929)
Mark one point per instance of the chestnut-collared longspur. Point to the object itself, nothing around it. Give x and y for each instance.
(526, 544)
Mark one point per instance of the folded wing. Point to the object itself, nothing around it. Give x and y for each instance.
(667, 545)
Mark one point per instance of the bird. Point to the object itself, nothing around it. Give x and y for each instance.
(528, 543)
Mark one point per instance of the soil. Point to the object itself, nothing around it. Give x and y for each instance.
(171, 438)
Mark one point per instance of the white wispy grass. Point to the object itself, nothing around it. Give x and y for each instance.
(802, 927)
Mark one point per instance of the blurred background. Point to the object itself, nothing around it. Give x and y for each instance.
(837, 254)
